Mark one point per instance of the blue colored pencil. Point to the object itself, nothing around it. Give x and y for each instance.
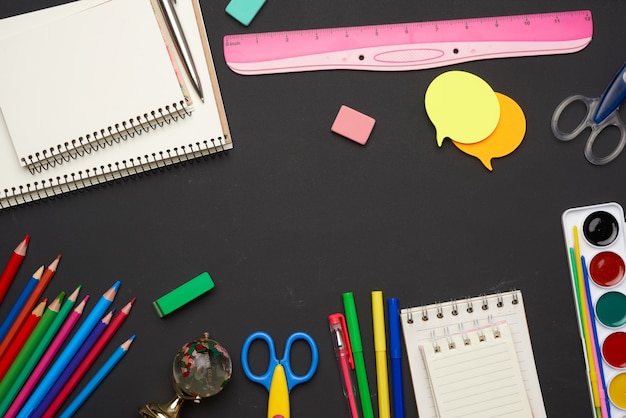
(71, 367)
(70, 350)
(20, 302)
(97, 378)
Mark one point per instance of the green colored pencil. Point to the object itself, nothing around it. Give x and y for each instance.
(27, 350)
(31, 361)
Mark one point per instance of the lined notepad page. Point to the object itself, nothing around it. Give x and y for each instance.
(75, 76)
(476, 374)
(421, 323)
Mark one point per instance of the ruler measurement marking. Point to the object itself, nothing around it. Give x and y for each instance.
(527, 34)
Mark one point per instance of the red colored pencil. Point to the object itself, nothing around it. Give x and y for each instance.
(30, 303)
(47, 358)
(13, 265)
(90, 358)
(21, 337)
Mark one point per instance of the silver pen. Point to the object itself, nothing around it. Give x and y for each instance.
(181, 43)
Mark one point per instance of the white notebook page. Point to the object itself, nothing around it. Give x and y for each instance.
(476, 374)
(75, 76)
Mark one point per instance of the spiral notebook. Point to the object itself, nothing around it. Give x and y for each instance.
(125, 109)
(447, 327)
(474, 373)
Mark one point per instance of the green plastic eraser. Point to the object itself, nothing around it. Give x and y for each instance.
(183, 294)
(244, 10)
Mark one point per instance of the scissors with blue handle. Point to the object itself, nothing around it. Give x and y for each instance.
(601, 113)
(279, 378)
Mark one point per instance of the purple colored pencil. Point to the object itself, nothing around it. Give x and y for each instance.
(72, 366)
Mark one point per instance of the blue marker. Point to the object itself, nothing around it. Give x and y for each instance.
(395, 353)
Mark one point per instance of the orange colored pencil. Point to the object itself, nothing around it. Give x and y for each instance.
(47, 275)
(14, 263)
(21, 337)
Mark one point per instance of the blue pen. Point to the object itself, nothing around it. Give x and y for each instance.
(395, 353)
(20, 302)
(97, 378)
(70, 350)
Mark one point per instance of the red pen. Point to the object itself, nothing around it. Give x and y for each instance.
(341, 343)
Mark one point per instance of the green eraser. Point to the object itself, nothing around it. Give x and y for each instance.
(183, 294)
(244, 10)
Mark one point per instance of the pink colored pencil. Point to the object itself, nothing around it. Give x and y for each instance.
(21, 337)
(46, 359)
(13, 265)
(91, 357)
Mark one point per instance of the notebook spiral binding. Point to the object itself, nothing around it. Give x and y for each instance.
(479, 334)
(452, 307)
(106, 137)
(114, 172)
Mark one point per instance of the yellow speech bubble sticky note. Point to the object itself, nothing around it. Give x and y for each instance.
(462, 106)
(507, 136)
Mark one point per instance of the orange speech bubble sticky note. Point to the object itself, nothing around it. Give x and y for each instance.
(506, 137)
(462, 106)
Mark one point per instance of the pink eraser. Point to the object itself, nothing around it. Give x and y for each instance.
(353, 125)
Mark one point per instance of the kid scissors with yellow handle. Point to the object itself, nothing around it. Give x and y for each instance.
(279, 378)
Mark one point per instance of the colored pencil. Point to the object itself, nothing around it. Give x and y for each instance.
(69, 351)
(596, 344)
(118, 320)
(97, 378)
(47, 358)
(73, 364)
(47, 275)
(13, 265)
(22, 336)
(596, 389)
(20, 303)
(27, 351)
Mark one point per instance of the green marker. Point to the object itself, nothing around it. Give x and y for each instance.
(183, 294)
(357, 353)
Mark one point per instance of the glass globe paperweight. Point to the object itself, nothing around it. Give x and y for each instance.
(201, 369)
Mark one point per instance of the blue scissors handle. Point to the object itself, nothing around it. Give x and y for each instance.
(292, 378)
(265, 379)
(601, 113)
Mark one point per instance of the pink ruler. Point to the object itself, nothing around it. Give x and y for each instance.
(408, 46)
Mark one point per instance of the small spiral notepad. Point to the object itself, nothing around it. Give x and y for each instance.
(476, 372)
(472, 358)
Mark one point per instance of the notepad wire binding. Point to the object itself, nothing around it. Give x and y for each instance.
(440, 310)
(116, 172)
(95, 141)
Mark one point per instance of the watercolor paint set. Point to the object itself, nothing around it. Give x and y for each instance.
(595, 238)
